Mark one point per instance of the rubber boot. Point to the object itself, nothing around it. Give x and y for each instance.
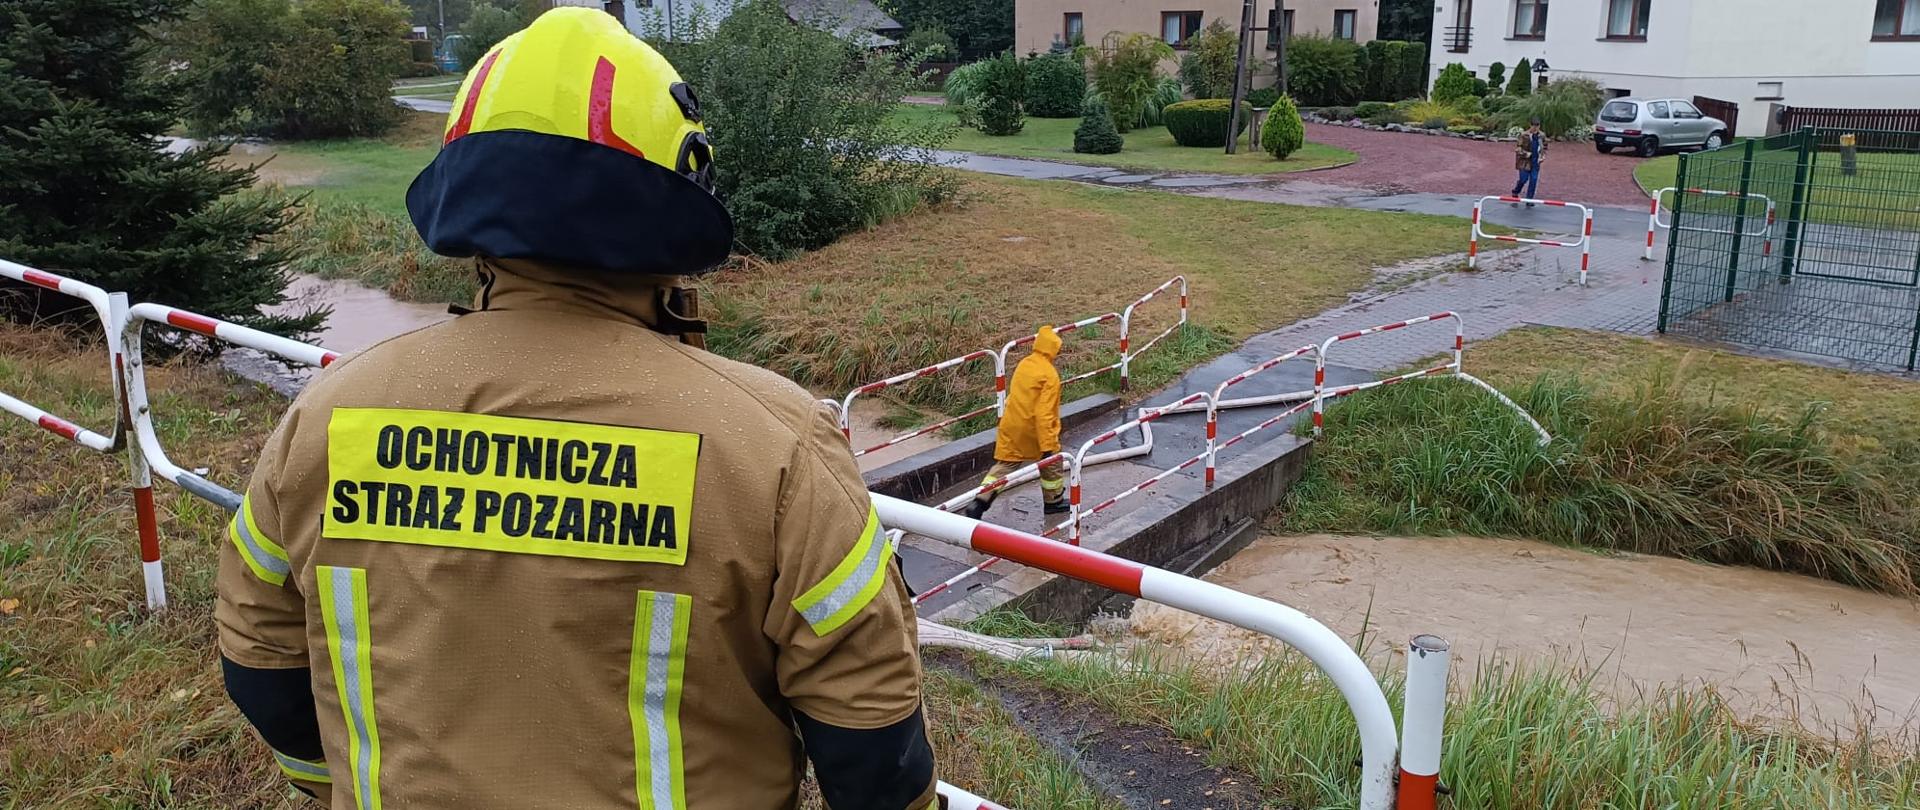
(977, 509)
(1056, 508)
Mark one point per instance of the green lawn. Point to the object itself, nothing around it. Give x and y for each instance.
(1884, 192)
(366, 171)
(1147, 149)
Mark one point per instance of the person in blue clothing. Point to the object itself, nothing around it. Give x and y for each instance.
(1528, 154)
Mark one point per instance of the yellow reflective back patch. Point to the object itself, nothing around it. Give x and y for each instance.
(499, 483)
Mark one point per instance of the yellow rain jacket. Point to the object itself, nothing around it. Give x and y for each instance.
(1030, 427)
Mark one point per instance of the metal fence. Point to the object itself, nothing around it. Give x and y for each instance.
(1843, 279)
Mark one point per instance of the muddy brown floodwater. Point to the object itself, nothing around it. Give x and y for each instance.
(1778, 647)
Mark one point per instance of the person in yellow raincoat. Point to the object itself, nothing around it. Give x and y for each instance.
(1030, 427)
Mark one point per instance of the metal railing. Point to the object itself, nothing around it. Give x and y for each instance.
(1380, 741)
(1123, 364)
(1585, 243)
(1654, 223)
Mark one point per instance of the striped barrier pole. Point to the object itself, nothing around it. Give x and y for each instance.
(146, 520)
(1126, 326)
(56, 426)
(846, 405)
(1456, 368)
(1586, 229)
(1320, 392)
(953, 798)
(1586, 247)
(1343, 667)
(111, 309)
(1473, 237)
(140, 408)
(1765, 233)
(1218, 400)
(1653, 222)
(1424, 714)
(1074, 477)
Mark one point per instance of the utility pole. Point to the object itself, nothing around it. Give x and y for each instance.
(1283, 33)
(1239, 77)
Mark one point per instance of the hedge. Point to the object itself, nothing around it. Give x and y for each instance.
(1056, 86)
(1203, 122)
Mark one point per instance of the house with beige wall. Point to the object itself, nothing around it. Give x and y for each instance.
(1037, 24)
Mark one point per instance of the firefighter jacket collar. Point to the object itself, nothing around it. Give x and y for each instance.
(524, 285)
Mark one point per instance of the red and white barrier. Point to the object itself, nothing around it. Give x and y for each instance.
(1080, 458)
(1218, 401)
(1126, 326)
(110, 308)
(1453, 369)
(150, 456)
(953, 798)
(846, 405)
(1585, 244)
(1341, 665)
(1654, 223)
(1423, 717)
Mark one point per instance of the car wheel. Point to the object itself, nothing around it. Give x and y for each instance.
(1602, 148)
(1716, 140)
(1650, 147)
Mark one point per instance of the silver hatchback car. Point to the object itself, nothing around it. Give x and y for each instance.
(1648, 125)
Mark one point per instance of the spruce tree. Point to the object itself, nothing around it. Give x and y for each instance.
(1521, 84)
(90, 189)
(1096, 134)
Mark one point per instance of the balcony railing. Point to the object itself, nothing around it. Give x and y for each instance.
(1459, 38)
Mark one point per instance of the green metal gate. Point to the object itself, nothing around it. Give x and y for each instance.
(1837, 275)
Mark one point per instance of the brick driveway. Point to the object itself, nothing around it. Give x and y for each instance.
(1398, 162)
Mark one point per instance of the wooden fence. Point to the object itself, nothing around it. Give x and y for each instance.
(1793, 118)
(1724, 110)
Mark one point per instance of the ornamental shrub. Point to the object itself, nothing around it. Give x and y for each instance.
(1522, 82)
(1056, 86)
(1283, 133)
(1453, 83)
(1003, 91)
(1126, 71)
(1096, 135)
(1323, 71)
(1203, 122)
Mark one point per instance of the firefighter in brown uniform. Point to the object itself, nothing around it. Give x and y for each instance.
(548, 554)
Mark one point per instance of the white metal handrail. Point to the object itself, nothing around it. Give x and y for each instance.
(1343, 667)
(1126, 326)
(1454, 368)
(1654, 222)
(1585, 243)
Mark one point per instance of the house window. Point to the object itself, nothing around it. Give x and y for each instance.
(1529, 19)
(1177, 26)
(1075, 28)
(1896, 19)
(1279, 24)
(1627, 19)
(1343, 24)
(1460, 34)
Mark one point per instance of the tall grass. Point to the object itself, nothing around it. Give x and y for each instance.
(376, 248)
(1654, 472)
(1518, 738)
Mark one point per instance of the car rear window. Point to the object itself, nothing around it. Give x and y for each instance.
(1620, 112)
